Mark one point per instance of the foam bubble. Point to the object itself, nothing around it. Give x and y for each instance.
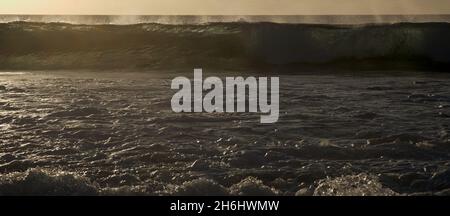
(252, 186)
(353, 185)
(200, 187)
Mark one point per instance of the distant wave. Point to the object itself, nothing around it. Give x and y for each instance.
(36, 46)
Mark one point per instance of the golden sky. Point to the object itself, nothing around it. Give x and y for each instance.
(225, 7)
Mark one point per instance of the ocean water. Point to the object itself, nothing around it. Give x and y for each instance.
(85, 106)
(118, 130)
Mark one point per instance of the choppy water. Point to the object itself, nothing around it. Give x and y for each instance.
(379, 134)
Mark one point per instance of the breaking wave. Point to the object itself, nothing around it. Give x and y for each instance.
(36, 46)
(56, 183)
(45, 183)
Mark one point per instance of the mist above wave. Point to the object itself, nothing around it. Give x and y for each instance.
(164, 19)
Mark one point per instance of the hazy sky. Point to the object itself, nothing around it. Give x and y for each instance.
(225, 7)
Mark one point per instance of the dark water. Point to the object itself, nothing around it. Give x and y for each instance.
(377, 134)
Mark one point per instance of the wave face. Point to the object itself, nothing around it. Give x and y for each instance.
(28, 45)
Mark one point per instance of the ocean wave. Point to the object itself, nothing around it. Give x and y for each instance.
(36, 46)
(57, 183)
(45, 183)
